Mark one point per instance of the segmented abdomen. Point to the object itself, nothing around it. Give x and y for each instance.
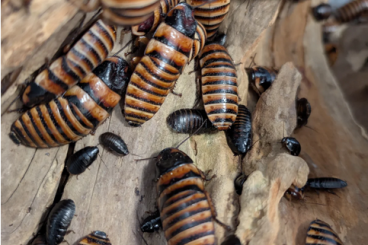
(326, 183)
(95, 238)
(165, 57)
(219, 86)
(320, 232)
(199, 40)
(351, 10)
(184, 208)
(187, 121)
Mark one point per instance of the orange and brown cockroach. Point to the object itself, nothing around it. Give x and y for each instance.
(320, 232)
(95, 238)
(211, 14)
(219, 84)
(76, 114)
(261, 77)
(351, 11)
(165, 57)
(200, 38)
(87, 53)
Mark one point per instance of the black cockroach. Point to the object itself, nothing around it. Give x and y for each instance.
(303, 110)
(188, 121)
(320, 232)
(292, 145)
(239, 182)
(81, 160)
(231, 240)
(152, 223)
(322, 11)
(239, 136)
(326, 183)
(59, 220)
(114, 143)
(351, 10)
(95, 238)
(40, 240)
(261, 77)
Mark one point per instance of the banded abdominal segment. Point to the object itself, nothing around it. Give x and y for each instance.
(351, 11)
(320, 232)
(188, 121)
(200, 38)
(95, 238)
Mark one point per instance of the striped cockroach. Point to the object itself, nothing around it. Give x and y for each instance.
(81, 160)
(292, 145)
(326, 183)
(200, 38)
(261, 77)
(165, 57)
(322, 11)
(82, 108)
(87, 53)
(95, 238)
(219, 84)
(303, 110)
(210, 15)
(239, 136)
(239, 182)
(188, 121)
(351, 10)
(231, 240)
(152, 223)
(59, 220)
(114, 143)
(320, 232)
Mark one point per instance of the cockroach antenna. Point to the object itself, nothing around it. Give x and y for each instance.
(126, 45)
(192, 134)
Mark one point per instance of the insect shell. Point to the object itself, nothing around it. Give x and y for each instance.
(292, 145)
(303, 110)
(200, 38)
(239, 136)
(82, 108)
(219, 84)
(320, 232)
(231, 240)
(165, 57)
(210, 15)
(322, 11)
(81, 160)
(95, 238)
(239, 182)
(262, 77)
(180, 185)
(59, 220)
(294, 193)
(152, 223)
(66, 71)
(114, 143)
(326, 183)
(188, 121)
(351, 10)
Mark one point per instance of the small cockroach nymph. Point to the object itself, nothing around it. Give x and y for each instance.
(303, 110)
(351, 10)
(292, 145)
(152, 223)
(239, 182)
(95, 238)
(261, 77)
(326, 183)
(81, 160)
(320, 232)
(294, 193)
(59, 220)
(114, 143)
(322, 11)
(231, 240)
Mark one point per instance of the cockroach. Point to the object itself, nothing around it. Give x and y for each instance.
(152, 223)
(59, 220)
(292, 145)
(188, 121)
(351, 11)
(322, 12)
(152, 22)
(231, 240)
(294, 192)
(320, 232)
(261, 77)
(303, 110)
(210, 15)
(81, 160)
(81, 109)
(114, 143)
(326, 183)
(239, 182)
(239, 136)
(87, 53)
(219, 84)
(40, 240)
(95, 238)
(200, 38)
(165, 57)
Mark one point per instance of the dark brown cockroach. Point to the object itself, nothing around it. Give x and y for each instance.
(165, 57)
(326, 183)
(200, 38)
(152, 22)
(322, 11)
(210, 15)
(114, 143)
(95, 238)
(152, 223)
(294, 193)
(81, 110)
(231, 240)
(239, 182)
(351, 11)
(81, 160)
(59, 220)
(320, 232)
(188, 121)
(303, 111)
(239, 136)
(40, 240)
(87, 53)
(219, 84)
(292, 145)
(261, 77)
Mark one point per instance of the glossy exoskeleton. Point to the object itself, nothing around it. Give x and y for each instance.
(292, 145)
(95, 238)
(81, 160)
(294, 193)
(239, 136)
(200, 38)
(239, 182)
(261, 77)
(231, 240)
(59, 220)
(303, 110)
(152, 223)
(351, 10)
(320, 232)
(40, 240)
(326, 183)
(114, 143)
(322, 11)
(188, 121)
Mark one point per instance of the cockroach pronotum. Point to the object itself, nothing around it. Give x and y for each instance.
(188, 121)
(231, 240)
(114, 143)
(351, 10)
(261, 77)
(59, 220)
(86, 54)
(81, 160)
(152, 223)
(292, 145)
(200, 38)
(210, 15)
(165, 57)
(82, 109)
(40, 240)
(95, 238)
(219, 84)
(303, 110)
(239, 182)
(320, 232)
(239, 136)
(322, 12)
(326, 183)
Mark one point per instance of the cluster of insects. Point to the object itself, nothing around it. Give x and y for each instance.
(76, 92)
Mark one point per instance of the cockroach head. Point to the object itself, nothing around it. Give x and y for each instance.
(170, 158)
(182, 19)
(99, 234)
